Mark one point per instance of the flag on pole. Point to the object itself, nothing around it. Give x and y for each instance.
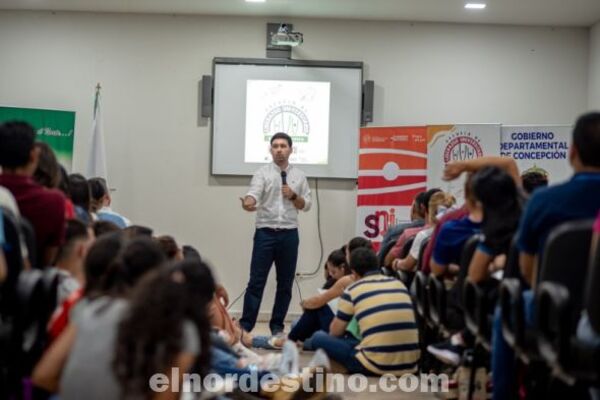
(97, 160)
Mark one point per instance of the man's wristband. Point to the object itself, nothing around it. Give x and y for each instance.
(294, 197)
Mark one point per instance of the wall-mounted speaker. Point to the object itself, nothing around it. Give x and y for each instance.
(207, 97)
(367, 101)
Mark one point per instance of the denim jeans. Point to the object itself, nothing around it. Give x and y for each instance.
(271, 246)
(310, 322)
(340, 349)
(503, 356)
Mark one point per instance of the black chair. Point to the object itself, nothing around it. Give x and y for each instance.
(14, 261)
(35, 258)
(419, 290)
(565, 252)
(440, 298)
(437, 299)
(8, 303)
(407, 277)
(479, 301)
(560, 300)
(403, 253)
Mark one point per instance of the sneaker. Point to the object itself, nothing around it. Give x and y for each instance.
(447, 352)
(290, 359)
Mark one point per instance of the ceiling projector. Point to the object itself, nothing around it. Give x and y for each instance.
(284, 37)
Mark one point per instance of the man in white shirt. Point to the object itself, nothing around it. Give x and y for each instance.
(277, 191)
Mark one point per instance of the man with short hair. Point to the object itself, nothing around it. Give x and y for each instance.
(578, 198)
(384, 313)
(277, 191)
(417, 218)
(78, 239)
(44, 208)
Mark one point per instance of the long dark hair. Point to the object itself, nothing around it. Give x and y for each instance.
(150, 336)
(100, 260)
(498, 194)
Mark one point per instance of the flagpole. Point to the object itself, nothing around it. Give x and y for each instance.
(97, 155)
(98, 87)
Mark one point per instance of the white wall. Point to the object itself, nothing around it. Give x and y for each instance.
(594, 69)
(158, 155)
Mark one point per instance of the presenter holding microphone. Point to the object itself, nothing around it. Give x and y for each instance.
(277, 191)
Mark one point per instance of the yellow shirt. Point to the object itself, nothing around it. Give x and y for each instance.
(384, 312)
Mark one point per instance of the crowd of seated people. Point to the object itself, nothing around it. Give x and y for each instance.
(511, 213)
(121, 304)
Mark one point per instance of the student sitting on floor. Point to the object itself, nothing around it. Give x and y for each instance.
(384, 313)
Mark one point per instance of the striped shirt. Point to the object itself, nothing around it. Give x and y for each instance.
(385, 316)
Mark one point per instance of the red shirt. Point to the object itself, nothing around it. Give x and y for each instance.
(407, 234)
(452, 215)
(44, 209)
(60, 319)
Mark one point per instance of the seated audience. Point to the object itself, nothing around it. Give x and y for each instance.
(81, 357)
(170, 247)
(101, 255)
(63, 186)
(495, 190)
(104, 227)
(534, 178)
(547, 208)
(409, 233)
(501, 202)
(454, 234)
(438, 204)
(100, 203)
(80, 196)
(384, 313)
(417, 218)
(166, 326)
(138, 230)
(71, 258)
(48, 172)
(44, 208)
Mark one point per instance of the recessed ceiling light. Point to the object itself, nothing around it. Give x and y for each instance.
(473, 6)
(255, 1)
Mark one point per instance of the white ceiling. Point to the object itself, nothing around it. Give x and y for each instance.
(519, 12)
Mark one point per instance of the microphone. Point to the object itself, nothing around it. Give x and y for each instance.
(283, 178)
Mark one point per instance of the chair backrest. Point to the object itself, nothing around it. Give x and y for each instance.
(29, 235)
(406, 247)
(424, 244)
(14, 261)
(511, 268)
(592, 293)
(37, 292)
(419, 293)
(466, 254)
(50, 280)
(565, 259)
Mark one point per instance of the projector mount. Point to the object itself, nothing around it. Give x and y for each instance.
(280, 40)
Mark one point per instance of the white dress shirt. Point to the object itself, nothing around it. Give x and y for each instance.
(273, 210)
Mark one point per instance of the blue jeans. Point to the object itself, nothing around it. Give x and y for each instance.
(310, 322)
(271, 246)
(340, 349)
(503, 356)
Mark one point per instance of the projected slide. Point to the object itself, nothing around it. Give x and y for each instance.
(298, 108)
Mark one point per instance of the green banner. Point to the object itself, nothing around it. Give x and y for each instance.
(56, 128)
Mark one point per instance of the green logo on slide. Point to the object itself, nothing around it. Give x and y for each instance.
(289, 119)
